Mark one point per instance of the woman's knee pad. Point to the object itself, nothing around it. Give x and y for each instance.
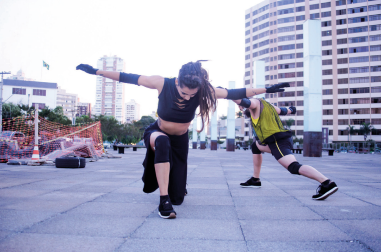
(294, 167)
(162, 147)
(254, 148)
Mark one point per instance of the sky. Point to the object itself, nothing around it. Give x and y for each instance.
(153, 37)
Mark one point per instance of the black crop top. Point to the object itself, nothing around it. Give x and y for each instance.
(172, 107)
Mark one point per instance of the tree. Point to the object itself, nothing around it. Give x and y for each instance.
(239, 114)
(366, 128)
(11, 110)
(55, 115)
(351, 131)
(223, 117)
(288, 123)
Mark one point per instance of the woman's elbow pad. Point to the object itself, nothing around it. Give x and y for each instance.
(246, 103)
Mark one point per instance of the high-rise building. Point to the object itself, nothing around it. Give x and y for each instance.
(83, 108)
(132, 111)
(68, 102)
(351, 59)
(109, 93)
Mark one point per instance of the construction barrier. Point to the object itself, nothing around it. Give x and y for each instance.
(17, 140)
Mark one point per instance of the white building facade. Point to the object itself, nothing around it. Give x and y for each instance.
(109, 98)
(68, 102)
(31, 93)
(351, 59)
(132, 111)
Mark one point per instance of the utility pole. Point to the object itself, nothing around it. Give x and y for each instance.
(1, 100)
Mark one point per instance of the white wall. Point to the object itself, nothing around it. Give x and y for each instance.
(50, 99)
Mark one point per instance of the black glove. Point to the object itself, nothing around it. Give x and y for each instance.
(87, 68)
(277, 88)
(293, 110)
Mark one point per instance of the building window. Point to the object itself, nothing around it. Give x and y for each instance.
(359, 59)
(341, 31)
(342, 51)
(358, 49)
(327, 72)
(39, 92)
(357, 20)
(341, 41)
(328, 102)
(326, 14)
(19, 91)
(314, 6)
(314, 16)
(326, 43)
(327, 62)
(359, 91)
(341, 12)
(341, 21)
(342, 81)
(326, 5)
(38, 105)
(358, 29)
(326, 33)
(325, 23)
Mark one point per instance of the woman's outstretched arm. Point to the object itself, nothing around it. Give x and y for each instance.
(152, 82)
(239, 93)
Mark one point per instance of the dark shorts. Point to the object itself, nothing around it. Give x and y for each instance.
(178, 165)
(281, 147)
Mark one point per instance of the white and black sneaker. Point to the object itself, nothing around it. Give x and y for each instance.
(252, 182)
(165, 208)
(326, 189)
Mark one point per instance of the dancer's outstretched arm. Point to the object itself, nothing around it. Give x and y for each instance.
(254, 103)
(239, 93)
(152, 82)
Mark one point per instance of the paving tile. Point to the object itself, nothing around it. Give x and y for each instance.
(162, 245)
(115, 209)
(58, 243)
(17, 220)
(337, 246)
(276, 213)
(88, 225)
(291, 230)
(190, 229)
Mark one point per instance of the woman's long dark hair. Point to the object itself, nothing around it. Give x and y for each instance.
(192, 75)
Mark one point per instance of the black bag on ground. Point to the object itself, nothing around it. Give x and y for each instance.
(70, 162)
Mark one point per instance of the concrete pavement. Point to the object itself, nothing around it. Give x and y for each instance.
(102, 207)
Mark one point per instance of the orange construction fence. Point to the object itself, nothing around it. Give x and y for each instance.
(18, 138)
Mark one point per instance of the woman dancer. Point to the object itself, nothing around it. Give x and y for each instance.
(165, 163)
(273, 138)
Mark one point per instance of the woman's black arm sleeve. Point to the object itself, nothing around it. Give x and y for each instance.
(129, 78)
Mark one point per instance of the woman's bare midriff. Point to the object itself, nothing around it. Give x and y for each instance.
(173, 128)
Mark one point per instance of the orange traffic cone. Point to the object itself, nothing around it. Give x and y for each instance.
(36, 153)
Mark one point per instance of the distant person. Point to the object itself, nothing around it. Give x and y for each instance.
(166, 139)
(273, 138)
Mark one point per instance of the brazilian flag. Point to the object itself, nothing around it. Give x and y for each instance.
(44, 64)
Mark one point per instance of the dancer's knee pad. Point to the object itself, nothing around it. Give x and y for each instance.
(294, 167)
(254, 148)
(162, 147)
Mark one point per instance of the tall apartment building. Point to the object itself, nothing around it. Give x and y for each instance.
(68, 102)
(351, 59)
(132, 111)
(83, 108)
(109, 93)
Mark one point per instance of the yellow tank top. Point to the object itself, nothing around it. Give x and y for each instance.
(268, 123)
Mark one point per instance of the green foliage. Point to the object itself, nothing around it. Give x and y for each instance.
(223, 117)
(55, 115)
(288, 123)
(366, 128)
(239, 114)
(299, 140)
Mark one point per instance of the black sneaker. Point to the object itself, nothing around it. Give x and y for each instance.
(252, 182)
(166, 210)
(326, 189)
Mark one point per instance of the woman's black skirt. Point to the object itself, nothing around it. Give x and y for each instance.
(178, 165)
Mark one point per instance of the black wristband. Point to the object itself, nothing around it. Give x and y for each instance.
(283, 111)
(293, 110)
(129, 78)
